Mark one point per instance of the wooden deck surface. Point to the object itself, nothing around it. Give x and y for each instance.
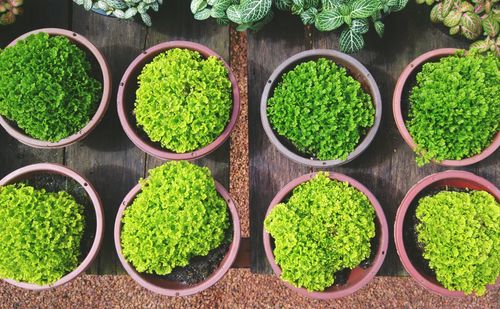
(113, 164)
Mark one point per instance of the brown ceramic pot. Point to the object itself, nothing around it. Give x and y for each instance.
(404, 225)
(126, 99)
(400, 104)
(94, 219)
(358, 277)
(103, 74)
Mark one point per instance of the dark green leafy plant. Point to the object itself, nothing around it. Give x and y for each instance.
(460, 233)
(354, 17)
(476, 20)
(321, 110)
(40, 234)
(183, 101)
(46, 87)
(325, 226)
(177, 215)
(455, 107)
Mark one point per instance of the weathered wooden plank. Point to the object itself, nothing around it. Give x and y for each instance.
(38, 14)
(107, 157)
(175, 22)
(387, 167)
(269, 170)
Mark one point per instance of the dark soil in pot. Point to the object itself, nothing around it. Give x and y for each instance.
(201, 267)
(56, 183)
(414, 248)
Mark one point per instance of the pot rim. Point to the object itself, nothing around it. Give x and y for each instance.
(382, 244)
(84, 44)
(145, 145)
(401, 213)
(332, 55)
(99, 213)
(216, 275)
(435, 54)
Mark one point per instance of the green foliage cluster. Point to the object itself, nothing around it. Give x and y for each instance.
(321, 109)
(177, 215)
(183, 101)
(325, 226)
(40, 234)
(460, 233)
(477, 20)
(354, 17)
(455, 107)
(46, 87)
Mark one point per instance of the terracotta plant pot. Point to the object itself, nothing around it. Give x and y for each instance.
(358, 277)
(69, 181)
(102, 73)
(355, 69)
(400, 104)
(404, 225)
(169, 287)
(126, 99)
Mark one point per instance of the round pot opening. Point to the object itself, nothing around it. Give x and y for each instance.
(401, 98)
(351, 280)
(408, 248)
(100, 71)
(354, 69)
(55, 178)
(127, 96)
(172, 284)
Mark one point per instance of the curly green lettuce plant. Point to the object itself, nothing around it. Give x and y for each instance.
(9, 9)
(460, 234)
(178, 215)
(476, 20)
(325, 226)
(46, 87)
(184, 101)
(354, 17)
(321, 110)
(40, 234)
(124, 9)
(454, 109)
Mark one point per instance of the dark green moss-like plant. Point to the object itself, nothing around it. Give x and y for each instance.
(460, 233)
(46, 87)
(40, 234)
(325, 226)
(321, 110)
(454, 110)
(177, 215)
(184, 101)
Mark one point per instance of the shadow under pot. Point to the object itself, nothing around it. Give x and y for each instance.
(186, 115)
(366, 247)
(308, 97)
(407, 231)
(401, 107)
(72, 199)
(99, 73)
(201, 271)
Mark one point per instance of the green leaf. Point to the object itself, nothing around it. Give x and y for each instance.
(360, 26)
(470, 25)
(363, 8)
(491, 26)
(379, 28)
(350, 41)
(203, 14)
(253, 10)
(309, 16)
(198, 5)
(329, 20)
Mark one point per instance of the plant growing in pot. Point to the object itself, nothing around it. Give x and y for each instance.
(54, 88)
(9, 9)
(325, 235)
(447, 104)
(321, 108)
(123, 9)
(447, 233)
(51, 226)
(178, 100)
(177, 232)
